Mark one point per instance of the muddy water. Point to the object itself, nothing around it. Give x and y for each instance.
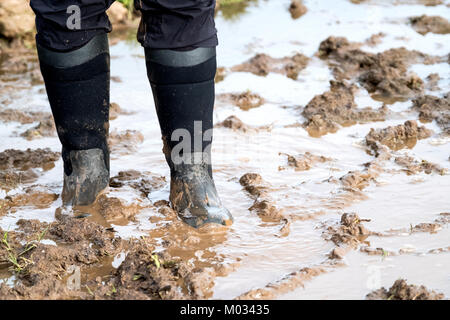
(257, 250)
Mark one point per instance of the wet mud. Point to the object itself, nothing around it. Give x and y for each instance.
(397, 137)
(125, 142)
(245, 100)
(304, 161)
(297, 9)
(264, 205)
(263, 64)
(18, 166)
(300, 193)
(401, 290)
(384, 75)
(434, 108)
(433, 24)
(335, 108)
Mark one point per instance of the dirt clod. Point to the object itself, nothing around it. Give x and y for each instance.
(413, 166)
(326, 112)
(401, 290)
(434, 108)
(262, 65)
(305, 161)
(434, 24)
(350, 231)
(125, 142)
(397, 137)
(245, 100)
(385, 75)
(297, 9)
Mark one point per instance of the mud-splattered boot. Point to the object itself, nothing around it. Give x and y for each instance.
(77, 84)
(183, 89)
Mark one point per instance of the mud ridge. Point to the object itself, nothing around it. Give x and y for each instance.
(264, 205)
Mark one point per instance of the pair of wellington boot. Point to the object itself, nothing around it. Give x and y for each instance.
(182, 82)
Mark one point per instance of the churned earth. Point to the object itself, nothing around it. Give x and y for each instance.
(331, 149)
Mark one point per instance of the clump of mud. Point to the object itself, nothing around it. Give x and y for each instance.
(433, 82)
(385, 75)
(115, 209)
(434, 108)
(125, 142)
(83, 247)
(220, 74)
(145, 274)
(18, 166)
(23, 160)
(41, 269)
(115, 110)
(262, 64)
(143, 182)
(236, 124)
(401, 290)
(355, 181)
(264, 205)
(297, 9)
(326, 112)
(45, 128)
(375, 39)
(245, 100)
(434, 24)
(428, 3)
(33, 196)
(397, 137)
(304, 161)
(10, 115)
(346, 235)
(413, 166)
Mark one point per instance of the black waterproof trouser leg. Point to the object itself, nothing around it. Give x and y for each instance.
(165, 24)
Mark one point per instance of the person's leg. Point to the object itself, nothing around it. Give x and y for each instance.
(73, 52)
(179, 39)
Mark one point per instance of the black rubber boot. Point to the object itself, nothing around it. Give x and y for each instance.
(77, 84)
(183, 89)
